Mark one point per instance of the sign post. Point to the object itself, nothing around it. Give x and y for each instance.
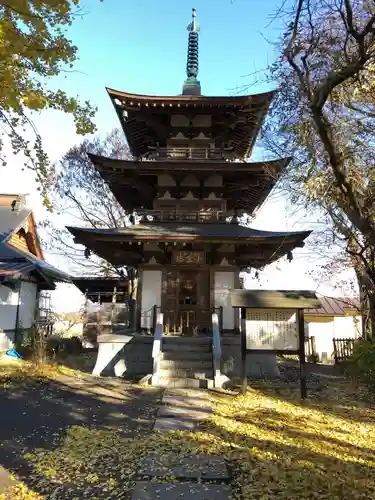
(243, 352)
(302, 356)
(272, 322)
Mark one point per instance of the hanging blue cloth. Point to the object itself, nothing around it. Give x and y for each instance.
(14, 354)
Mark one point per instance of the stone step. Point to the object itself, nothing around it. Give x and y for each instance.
(185, 412)
(193, 348)
(186, 364)
(181, 340)
(177, 491)
(177, 373)
(193, 355)
(199, 467)
(186, 382)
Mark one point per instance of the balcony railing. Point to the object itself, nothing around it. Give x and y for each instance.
(190, 153)
(170, 215)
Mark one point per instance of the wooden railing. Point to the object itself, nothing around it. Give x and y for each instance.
(195, 321)
(172, 215)
(343, 349)
(176, 153)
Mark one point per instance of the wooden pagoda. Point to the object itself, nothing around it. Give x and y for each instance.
(190, 180)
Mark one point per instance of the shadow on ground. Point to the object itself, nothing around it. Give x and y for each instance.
(328, 391)
(41, 416)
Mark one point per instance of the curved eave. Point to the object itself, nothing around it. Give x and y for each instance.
(129, 246)
(115, 172)
(201, 100)
(113, 165)
(141, 136)
(185, 231)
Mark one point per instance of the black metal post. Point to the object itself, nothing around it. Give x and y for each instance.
(243, 351)
(302, 356)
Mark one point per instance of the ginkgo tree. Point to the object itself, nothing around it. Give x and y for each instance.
(323, 117)
(33, 48)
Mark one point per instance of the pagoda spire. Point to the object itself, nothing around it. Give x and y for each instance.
(191, 84)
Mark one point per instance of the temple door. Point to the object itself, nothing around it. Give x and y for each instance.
(193, 301)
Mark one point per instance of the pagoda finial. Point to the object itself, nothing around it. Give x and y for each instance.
(192, 85)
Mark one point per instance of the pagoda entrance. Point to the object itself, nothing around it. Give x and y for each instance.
(187, 302)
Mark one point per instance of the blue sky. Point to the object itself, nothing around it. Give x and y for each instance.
(140, 46)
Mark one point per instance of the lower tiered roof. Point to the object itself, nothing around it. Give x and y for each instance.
(241, 246)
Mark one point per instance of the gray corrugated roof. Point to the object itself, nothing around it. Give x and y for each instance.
(14, 262)
(165, 229)
(10, 269)
(9, 221)
(17, 263)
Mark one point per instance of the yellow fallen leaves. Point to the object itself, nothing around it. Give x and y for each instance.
(276, 447)
(20, 492)
(14, 371)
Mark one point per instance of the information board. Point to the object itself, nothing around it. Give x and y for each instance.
(272, 329)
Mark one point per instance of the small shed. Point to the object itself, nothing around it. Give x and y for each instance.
(106, 306)
(337, 319)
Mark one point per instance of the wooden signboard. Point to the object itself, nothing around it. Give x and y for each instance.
(188, 257)
(272, 330)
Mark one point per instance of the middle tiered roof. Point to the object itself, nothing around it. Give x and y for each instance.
(245, 186)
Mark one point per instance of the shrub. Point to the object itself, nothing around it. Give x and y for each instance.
(58, 346)
(361, 364)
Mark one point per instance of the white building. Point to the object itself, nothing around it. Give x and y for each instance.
(337, 318)
(23, 270)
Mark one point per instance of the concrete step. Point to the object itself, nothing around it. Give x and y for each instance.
(185, 355)
(173, 373)
(186, 364)
(186, 382)
(174, 491)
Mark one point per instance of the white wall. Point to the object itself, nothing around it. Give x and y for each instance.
(28, 296)
(324, 332)
(223, 283)
(151, 295)
(8, 315)
(347, 327)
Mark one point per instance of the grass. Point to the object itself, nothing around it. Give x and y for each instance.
(276, 447)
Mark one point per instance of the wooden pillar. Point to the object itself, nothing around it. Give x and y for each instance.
(113, 312)
(133, 300)
(302, 356)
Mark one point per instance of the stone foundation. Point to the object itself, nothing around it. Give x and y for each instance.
(131, 355)
(258, 365)
(121, 355)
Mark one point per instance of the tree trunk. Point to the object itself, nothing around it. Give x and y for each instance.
(367, 302)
